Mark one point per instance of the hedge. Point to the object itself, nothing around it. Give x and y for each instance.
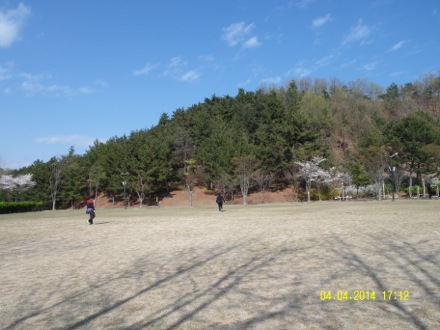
(15, 207)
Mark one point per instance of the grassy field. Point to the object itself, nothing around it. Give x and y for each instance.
(255, 267)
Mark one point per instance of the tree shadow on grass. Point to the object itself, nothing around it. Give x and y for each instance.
(402, 259)
(275, 284)
(181, 271)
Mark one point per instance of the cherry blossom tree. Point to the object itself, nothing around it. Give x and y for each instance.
(339, 179)
(17, 184)
(310, 172)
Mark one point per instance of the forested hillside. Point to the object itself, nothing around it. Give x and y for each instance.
(264, 139)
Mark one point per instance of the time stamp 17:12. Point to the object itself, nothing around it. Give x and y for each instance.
(362, 295)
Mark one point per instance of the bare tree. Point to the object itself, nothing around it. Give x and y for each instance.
(141, 188)
(191, 174)
(56, 170)
(245, 167)
(96, 173)
(264, 181)
(375, 161)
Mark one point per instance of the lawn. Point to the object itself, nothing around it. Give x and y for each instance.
(254, 267)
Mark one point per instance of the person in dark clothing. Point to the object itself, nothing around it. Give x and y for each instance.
(91, 209)
(220, 200)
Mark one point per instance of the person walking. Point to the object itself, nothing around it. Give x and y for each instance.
(220, 200)
(91, 209)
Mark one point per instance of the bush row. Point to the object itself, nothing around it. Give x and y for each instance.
(15, 207)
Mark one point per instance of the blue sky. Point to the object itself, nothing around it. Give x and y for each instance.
(72, 72)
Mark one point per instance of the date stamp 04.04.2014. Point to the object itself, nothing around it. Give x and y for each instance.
(364, 295)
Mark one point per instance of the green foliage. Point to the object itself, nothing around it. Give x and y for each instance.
(415, 189)
(16, 207)
(359, 175)
(353, 126)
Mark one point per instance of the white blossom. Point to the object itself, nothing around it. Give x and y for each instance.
(19, 183)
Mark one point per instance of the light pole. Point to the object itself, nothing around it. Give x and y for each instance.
(393, 184)
(393, 170)
(124, 183)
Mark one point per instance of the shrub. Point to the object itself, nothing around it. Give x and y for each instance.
(16, 207)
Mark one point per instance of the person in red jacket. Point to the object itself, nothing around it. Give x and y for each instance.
(91, 209)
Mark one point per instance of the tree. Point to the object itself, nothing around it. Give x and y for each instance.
(72, 187)
(339, 178)
(264, 181)
(245, 168)
(411, 136)
(56, 171)
(141, 187)
(191, 175)
(375, 160)
(359, 176)
(310, 172)
(16, 185)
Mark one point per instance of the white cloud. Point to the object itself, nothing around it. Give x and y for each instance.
(397, 73)
(368, 66)
(302, 71)
(35, 87)
(357, 33)
(318, 22)
(177, 62)
(41, 85)
(270, 81)
(252, 43)
(78, 140)
(145, 70)
(305, 68)
(5, 74)
(237, 33)
(190, 76)
(177, 69)
(397, 46)
(11, 22)
(100, 83)
(303, 3)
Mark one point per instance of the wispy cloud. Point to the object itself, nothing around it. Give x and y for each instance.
(145, 70)
(177, 69)
(11, 22)
(270, 81)
(43, 84)
(191, 75)
(357, 33)
(33, 85)
(320, 21)
(305, 68)
(368, 66)
(5, 74)
(240, 34)
(77, 140)
(302, 3)
(397, 46)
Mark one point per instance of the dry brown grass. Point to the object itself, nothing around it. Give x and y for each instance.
(255, 267)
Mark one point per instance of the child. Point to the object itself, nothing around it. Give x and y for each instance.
(91, 209)
(220, 200)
